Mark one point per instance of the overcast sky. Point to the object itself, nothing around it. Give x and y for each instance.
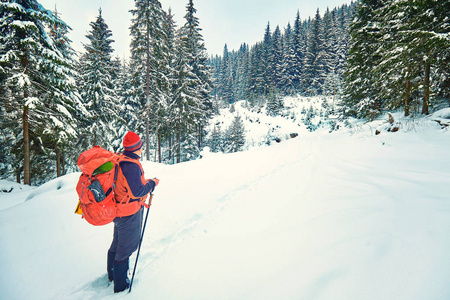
(230, 22)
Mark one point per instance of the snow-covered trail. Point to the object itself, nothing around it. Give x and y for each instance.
(327, 216)
(345, 218)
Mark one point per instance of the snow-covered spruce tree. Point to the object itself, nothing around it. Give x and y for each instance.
(241, 90)
(66, 103)
(268, 67)
(201, 69)
(299, 40)
(215, 61)
(36, 79)
(398, 67)
(192, 105)
(309, 119)
(415, 34)
(330, 77)
(150, 61)
(256, 73)
(182, 109)
(97, 89)
(288, 62)
(166, 132)
(437, 37)
(225, 80)
(235, 135)
(315, 62)
(123, 87)
(277, 59)
(274, 103)
(360, 97)
(338, 40)
(342, 39)
(405, 41)
(216, 141)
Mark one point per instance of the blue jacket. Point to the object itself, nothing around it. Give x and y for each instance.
(132, 173)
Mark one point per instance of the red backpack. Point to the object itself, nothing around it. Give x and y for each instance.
(95, 187)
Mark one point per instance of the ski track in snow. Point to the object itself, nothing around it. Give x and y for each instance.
(158, 249)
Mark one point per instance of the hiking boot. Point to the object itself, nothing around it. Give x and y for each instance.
(110, 265)
(121, 281)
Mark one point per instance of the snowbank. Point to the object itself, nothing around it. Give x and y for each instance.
(12, 193)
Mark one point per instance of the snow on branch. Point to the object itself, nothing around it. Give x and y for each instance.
(31, 102)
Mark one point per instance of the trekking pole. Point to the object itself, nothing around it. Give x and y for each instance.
(140, 242)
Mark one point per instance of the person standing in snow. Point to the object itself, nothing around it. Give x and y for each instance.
(131, 190)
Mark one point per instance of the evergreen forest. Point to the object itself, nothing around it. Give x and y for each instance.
(371, 56)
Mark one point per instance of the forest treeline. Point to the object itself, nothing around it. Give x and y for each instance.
(306, 58)
(370, 56)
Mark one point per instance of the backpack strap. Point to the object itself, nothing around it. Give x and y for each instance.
(115, 174)
(119, 160)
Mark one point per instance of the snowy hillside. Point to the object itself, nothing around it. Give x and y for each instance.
(341, 215)
(299, 115)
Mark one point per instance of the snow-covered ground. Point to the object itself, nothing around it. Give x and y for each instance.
(341, 215)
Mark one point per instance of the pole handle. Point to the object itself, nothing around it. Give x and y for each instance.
(150, 199)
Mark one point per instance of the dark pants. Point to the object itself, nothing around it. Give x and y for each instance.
(127, 233)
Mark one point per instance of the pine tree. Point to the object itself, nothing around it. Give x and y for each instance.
(360, 93)
(257, 82)
(96, 87)
(165, 131)
(288, 68)
(315, 62)
(274, 104)
(399, 44)
(226, 77)
(216, 142)
(329, 75)
(277, 54)
(65, 101)
(299, 40)
(149, 60)
(342, 39)
(192, 104)
(419, 28)
(128, 105)
(242, 73)
(235, 135)
(267, 62)
(32, 68)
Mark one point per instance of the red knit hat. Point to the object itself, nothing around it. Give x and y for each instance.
(132, 142)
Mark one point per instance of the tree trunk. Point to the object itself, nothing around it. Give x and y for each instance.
(63, 164)
(26, 132)
(170, 147)
(200, 137)
(407, 97)
(178, 146)
(147, 91)
(26, 146)
(18, 172)
(58, 162)
(159, 148)
(426, 89)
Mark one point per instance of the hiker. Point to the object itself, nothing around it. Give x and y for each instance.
(130, 193)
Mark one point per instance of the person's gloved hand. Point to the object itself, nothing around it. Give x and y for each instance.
(155, 180)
